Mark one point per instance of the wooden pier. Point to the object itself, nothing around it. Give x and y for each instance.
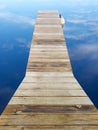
(49, 97)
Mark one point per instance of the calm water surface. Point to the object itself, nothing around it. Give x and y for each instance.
(17, 20)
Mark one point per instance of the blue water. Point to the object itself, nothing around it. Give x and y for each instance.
(17, 20)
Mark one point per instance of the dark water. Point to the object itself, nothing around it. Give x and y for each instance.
(16, 28)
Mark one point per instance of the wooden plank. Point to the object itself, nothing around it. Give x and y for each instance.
(49, 21)
(51, 69)
(49, 74)
(48, 60)
(52, 53)
(49, 127)
(51, 56)
(47, 16)
(48, 50)
(50, 86)
(50, 101)
(46, 54)
(49, 93)
(50, 119)
(48, 13)
(49, 37)
(29, 109)
(48, 65)
(51, 79)
(48, 26)
(52, 48)
(59, 42)
(49, 46)
(48, 30)
(47, 33)
(48, 43)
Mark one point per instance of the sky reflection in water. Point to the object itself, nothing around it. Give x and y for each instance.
(17, 20)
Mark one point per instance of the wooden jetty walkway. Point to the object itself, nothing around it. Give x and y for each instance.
(49, 96)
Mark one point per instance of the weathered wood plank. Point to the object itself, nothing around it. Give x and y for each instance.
(40, 127)
(49, 74)
(48, 30)
(50, 86)
(49, 93)
(50, 119)
(48, 60)
(46, 42)
(50, 101)
(48, 22)
(52, 47)
(51, 36)
(47, 55)
(58, 42)
(29, 109)
(49, 46)
(48, 26)
(51, 79)
(48, 65)
(47, 16)
(48, 34)
(51, 69)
